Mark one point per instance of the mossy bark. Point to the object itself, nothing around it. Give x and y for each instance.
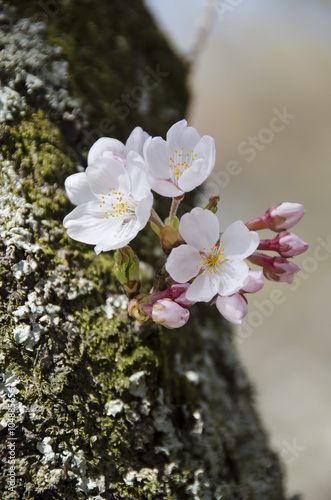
(93, 407)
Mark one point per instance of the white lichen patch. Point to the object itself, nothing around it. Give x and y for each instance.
(23, 268)
(192, 376)
(145, 406)
(45, 448)
(75, 467)
(8, 383)
(79, 286)
(198, 426)
(121, 302)
(97, 483)
(31, 64)
(11, 104)
(108, 307)
(14, 209)
(144, 475)
(138, 385)
(194, 489)
(112, 303)
(114, 407)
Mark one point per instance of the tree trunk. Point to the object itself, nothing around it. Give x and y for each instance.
(92, 406)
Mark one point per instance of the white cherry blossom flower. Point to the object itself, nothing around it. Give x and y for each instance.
(115, 202)
(215, 262)
(182, 162)
(76, 185)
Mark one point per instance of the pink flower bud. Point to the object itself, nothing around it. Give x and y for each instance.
(275, 268)
(278, 217)
(169, 314)
(232, 307)
(255, 282)
(284, 215)
(285, 243)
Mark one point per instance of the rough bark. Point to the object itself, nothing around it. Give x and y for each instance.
(102, 410)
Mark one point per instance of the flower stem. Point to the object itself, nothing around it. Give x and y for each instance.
(174, 207)
(154, 217)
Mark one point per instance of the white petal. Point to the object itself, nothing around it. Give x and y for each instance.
(156, 157)
(136, 141)
(106, 173)
(238, 241)
(183, 263)
(136, 169)
(143, 210)
(233, 308)
(119, 238)
(201, 167)
(165, 188)
(77, 189)
(206, 149)
(199, 228)
(85, 223)
(233, 275)
(181, 136)
(204, 288)
(115, 156)
(255, 281)
(105, 144)
(193, 177)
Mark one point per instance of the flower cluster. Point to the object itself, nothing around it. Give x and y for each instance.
(114, 201)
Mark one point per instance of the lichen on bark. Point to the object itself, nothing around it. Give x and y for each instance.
(103, 410)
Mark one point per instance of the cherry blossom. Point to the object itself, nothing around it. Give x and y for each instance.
(77, 186)
(216, 262)
(115, 202)
(181, 162)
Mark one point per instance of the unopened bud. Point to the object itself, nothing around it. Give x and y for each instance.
(286, 244)
(284, 216)
(232, 307)
(135, 310)
(278, 217)
(275, 268)
(126, 269)
(169, 314)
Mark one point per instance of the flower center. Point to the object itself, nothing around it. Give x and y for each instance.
(119, 205)
(179, 162)
(212, 259)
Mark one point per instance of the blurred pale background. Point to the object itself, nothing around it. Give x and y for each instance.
(261, 56)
